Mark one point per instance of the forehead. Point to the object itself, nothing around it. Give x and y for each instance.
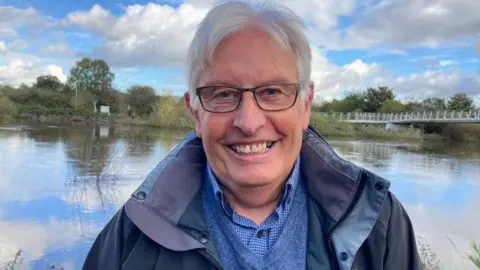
(250, 57)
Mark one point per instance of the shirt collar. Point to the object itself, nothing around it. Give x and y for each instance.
(288, 190)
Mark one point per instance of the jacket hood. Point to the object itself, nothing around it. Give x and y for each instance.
(159, 205)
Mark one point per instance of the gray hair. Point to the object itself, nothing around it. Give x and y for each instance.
(231, 16)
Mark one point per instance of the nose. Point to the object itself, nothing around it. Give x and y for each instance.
(249, 117)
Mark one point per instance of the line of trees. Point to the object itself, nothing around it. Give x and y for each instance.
(383, 99)
(91, 80)
(89, 84)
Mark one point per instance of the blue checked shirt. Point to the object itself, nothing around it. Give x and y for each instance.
(259, 239)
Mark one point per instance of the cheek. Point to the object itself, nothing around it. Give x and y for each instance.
(289, 122)
(213, 126)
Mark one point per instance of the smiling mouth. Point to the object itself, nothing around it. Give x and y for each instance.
(251, 149)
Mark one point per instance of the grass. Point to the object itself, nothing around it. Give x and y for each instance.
(428, 258)
(474, 256)
(328, 126)
(430, 261)
(15, 263)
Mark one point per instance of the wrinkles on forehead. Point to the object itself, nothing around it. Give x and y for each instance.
(248, 58)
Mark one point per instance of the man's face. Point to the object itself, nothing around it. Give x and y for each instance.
(247, 59)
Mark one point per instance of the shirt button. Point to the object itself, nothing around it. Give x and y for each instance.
(343, 256)
(261, 233)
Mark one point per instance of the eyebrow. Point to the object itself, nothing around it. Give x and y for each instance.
(233, 84)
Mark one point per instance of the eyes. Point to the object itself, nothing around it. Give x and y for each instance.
(267, 92)
(272, 97)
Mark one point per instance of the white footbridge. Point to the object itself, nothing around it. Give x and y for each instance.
(408, 117)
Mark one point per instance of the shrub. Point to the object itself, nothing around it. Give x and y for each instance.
(461, 132)
(328, 126)
(7, 109)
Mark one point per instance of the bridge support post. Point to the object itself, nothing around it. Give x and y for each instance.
(397, 127)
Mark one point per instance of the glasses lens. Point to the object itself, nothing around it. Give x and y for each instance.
(277, 96)
(219, 99)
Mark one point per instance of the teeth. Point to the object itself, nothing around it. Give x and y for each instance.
(253, 148)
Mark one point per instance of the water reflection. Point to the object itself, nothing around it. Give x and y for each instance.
(60, 185)
(440, 191)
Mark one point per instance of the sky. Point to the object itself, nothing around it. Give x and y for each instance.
(420, 48)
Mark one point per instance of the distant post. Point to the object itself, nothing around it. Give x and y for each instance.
(95, 100)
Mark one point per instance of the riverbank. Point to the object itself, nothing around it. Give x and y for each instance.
(178, 118)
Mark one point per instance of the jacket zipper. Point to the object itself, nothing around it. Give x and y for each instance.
(349, 211)
(205, 253)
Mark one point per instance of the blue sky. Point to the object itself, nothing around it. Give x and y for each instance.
(420, 48)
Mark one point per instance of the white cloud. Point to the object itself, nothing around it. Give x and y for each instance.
(439, 83)
(15, 71)
(457, 224)
(57, 48)
(415, 22)
(3, 47)
(201, 3)
(148, 35)
(158, 35)
(13, 18)
(361, 68)
(34, 239)
(18, 45)
(322, 14)
(331, 80)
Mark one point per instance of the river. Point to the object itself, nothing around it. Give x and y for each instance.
(60, 185)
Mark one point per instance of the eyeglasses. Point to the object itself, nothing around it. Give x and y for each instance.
(272, 97)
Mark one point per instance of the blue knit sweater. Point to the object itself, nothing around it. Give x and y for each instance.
(289, 251)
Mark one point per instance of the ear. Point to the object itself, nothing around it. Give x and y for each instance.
(193, 113)
(308, 105)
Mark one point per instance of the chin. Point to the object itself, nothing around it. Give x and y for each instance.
(252, 179)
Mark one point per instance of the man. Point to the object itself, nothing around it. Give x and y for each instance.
(254, 187)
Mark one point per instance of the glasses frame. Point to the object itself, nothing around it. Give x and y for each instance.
(253, 90)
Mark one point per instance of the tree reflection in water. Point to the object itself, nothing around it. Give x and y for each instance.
(95, 161)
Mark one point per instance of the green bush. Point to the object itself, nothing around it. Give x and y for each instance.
(37, 96)
(328, 126)
(7, 109)
(379, 132)
(36, 110)
(461, 132)
(169, 112)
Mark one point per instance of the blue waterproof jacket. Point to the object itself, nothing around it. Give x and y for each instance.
(352, 215)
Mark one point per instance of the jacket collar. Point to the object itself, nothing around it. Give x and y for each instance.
(166, 206)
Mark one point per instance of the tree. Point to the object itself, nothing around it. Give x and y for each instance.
(141, 99)
(461, 102)
(375, 97)
(413, 106)
(49, 82)
(392, 106)
(434, 104)
(353, 102)
(91, 75)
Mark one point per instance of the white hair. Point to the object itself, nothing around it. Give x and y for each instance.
(232, 16)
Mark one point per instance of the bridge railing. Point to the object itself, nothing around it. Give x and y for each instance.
(406, 116)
